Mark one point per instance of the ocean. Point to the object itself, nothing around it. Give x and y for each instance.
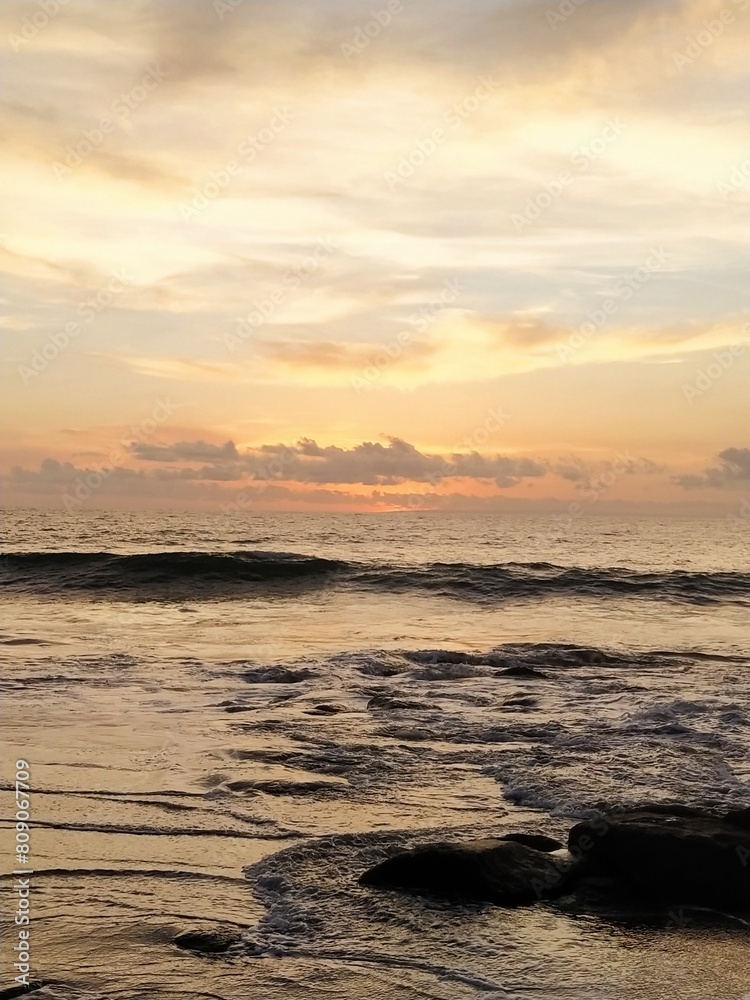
(228, 718)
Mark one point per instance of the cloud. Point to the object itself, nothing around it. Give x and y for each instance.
(733, 472)
(368, 476)
(53, 477)
(317, 354)
(597, 475)
(62, 484)
(522, 330)
(203, 137)
(176, 369)
(352, 358)
(185, 451)
(306, 462)
(369, 463)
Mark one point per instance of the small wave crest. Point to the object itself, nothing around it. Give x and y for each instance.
(492, 582)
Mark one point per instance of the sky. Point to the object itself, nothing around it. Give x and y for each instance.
(381, 256)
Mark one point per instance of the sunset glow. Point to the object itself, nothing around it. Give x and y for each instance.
(487, 263)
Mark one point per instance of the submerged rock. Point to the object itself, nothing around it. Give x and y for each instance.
(326, 708)
(539, 841)
(661, 856)
(207, 941)
(385, 701)
(498, 871)
(519, 670)
(270, 786)
(277, 675)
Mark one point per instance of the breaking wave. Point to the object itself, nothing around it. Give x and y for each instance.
(177, 575)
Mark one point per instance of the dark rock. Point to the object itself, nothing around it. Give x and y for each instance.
(666, 857)
(496, 871)
(277, 675)
(661, 809)
(21, 991)
(539, 841)
(739, 817)
(521, 671)
(207, 941)
(326, 708)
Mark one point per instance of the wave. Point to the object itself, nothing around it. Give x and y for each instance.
(182, 575)
(164, 574)
(139, 830)
(539, 579)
